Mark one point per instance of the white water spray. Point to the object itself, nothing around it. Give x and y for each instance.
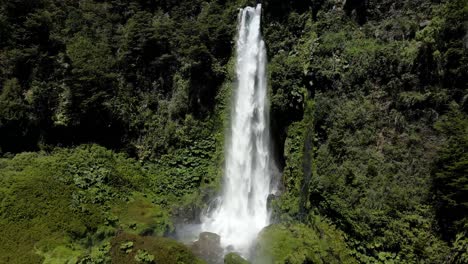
(242, 209)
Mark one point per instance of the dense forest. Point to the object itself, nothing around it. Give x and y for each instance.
(113, 116)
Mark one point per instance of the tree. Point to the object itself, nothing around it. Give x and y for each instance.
(15, 121)
(451, 173)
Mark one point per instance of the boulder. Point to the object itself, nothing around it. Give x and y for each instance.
(208, 247)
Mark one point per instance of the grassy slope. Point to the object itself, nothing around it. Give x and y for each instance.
(69, 204)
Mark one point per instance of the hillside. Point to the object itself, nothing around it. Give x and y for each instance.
(114, 117)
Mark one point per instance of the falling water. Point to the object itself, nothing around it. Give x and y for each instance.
(242, 209)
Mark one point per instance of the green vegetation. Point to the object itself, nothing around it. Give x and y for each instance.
(144, 256)
(298, 244)
(233, 258)
(450, 182)
(379, 145)
(61, 205)
(140, 76)
(112, 116)
(149, 250)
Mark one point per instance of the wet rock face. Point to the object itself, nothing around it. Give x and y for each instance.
(270, 199)
(208, 247)
(274, 214)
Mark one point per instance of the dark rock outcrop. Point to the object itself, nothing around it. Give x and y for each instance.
(208, 247)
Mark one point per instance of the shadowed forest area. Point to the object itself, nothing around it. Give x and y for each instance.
(113, 117)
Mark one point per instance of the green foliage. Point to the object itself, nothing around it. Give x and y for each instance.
(451, 173)
(368, 102)
(101, 254)
(299, 169)
(122, 74)
(36, 207)
(15, 121)
(298, 244)
(184, 170)
(233, 258)
(127, 246)
(144, 256)
(365, 184)
(88, 57)
(151, 250)
(378, 86)
(460, 249)
(140, 216)
(62, 254)
(12, 102)
(54, 206)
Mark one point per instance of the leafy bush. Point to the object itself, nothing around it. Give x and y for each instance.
(297, 244)
(144, 256)
(127, 246)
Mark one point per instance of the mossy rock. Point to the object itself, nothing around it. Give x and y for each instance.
(164, 250)
(299, 244)
(233, 258)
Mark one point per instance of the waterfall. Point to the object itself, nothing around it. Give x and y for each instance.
(241, 211)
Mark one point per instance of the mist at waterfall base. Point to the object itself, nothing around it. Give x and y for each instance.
(240, 213)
